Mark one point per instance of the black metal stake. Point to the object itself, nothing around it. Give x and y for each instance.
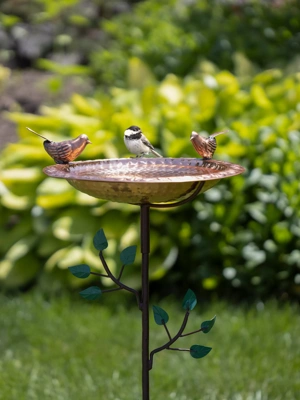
(145, 250)
(144, 306)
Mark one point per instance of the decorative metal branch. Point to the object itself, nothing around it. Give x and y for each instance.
(130, 254)
(82, 271)
(172, 340)
(161, 318)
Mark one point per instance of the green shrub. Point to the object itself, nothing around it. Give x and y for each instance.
(170, 36)
(240, 237)
(54, 34)
(173, 36)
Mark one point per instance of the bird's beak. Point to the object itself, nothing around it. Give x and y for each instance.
(193, 135)
(89, 142)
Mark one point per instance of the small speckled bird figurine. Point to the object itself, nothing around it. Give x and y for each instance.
(65, 151)
(137, 143)
(205, 146)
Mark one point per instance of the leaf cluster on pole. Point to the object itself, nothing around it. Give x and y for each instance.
(161, 318)
(83, 271)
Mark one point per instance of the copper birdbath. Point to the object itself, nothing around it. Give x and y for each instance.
(144, 180)
(147, 182)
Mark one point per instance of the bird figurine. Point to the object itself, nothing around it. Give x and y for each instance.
(65, 151)
(137, 143)
(205, 146)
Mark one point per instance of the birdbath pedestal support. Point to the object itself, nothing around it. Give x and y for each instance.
(145, 250)
(148, 183)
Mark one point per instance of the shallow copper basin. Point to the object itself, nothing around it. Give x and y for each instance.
(143, 180)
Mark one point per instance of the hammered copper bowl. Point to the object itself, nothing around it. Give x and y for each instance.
(143, 180)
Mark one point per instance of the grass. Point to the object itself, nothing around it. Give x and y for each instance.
(77, 350)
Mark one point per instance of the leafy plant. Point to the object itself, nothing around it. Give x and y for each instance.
(175, 36)
(55, 36)
(241, 237)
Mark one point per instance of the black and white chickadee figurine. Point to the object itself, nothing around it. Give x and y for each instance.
(137, 143)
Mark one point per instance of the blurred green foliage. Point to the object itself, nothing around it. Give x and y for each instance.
(51, 34)
(240, 237)
(174, 36)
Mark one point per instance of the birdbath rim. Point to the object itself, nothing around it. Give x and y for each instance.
(143, 180)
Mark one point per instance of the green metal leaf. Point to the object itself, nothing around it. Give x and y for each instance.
(207, 325)
(80, 271)
(100, 241)
(91, 293)
(197, 351)
(189, 301)
(128, 255)
(160, 315)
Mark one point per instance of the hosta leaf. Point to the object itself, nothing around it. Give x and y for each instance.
(207, 325)
(80, 271)
(189, 301)
(100, 241)
(128, 255)
(91, 293)
(197, 351)
(160, 315)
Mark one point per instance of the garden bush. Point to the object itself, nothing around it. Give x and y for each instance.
(48, 34)
(96, 38)
(173, 36)
(240, 238)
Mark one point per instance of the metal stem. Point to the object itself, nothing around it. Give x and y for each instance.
(173, 340)
(147, 359)
(145, 250)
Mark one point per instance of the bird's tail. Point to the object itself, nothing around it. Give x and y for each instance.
(218, 133)
(155, 153)
(37, 133)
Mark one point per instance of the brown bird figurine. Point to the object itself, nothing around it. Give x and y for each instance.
(66, 151)
(205, 146)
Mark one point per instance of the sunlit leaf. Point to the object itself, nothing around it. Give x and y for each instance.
(61, 69)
